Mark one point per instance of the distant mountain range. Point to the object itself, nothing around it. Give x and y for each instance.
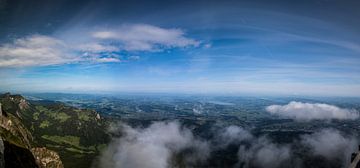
(48, 134)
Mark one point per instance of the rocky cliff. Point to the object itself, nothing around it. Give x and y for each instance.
(16, 142)
(49, 134)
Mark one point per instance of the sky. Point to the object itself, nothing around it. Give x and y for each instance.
(282, 47)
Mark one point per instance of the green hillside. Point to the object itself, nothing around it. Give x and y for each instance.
(77, 135)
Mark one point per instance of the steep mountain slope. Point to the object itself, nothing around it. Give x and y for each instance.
(77, 135)
(74, 133)
(16, 146)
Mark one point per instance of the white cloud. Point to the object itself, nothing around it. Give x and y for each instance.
(40, 50)
(96, 48)
(141, 37)
(104, 34)
(157, 145)
(264, 153)
(234, 134)
(153, 147)
(331, 144)
(253, 151)
(134, 57)
(261, 151)
(108, 60)
(34, 50)
(312, 111)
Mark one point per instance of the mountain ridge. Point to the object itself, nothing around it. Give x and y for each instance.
(52, 134)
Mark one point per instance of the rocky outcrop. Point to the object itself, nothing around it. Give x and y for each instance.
(16, 141)
(15, 144)
(14, 156)
(2, 156)
(23, 104)
(18, 157)
(47, 158)
(0, 109)
(98, 116)
(16, 103)
(71, 132)
(14, 131)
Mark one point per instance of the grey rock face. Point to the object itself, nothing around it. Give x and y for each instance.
(2, 157)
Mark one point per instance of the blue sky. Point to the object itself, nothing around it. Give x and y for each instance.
(308, 47)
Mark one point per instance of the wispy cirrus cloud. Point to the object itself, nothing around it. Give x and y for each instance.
(141, 37)
(35, 50)
(40, 50)
(96, 47)
(99, 46)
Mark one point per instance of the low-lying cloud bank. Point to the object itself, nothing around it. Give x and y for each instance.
(233, 134)
(161, 144)
(331, 144)
(263, 153)
(312, 111)
(154, 147)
